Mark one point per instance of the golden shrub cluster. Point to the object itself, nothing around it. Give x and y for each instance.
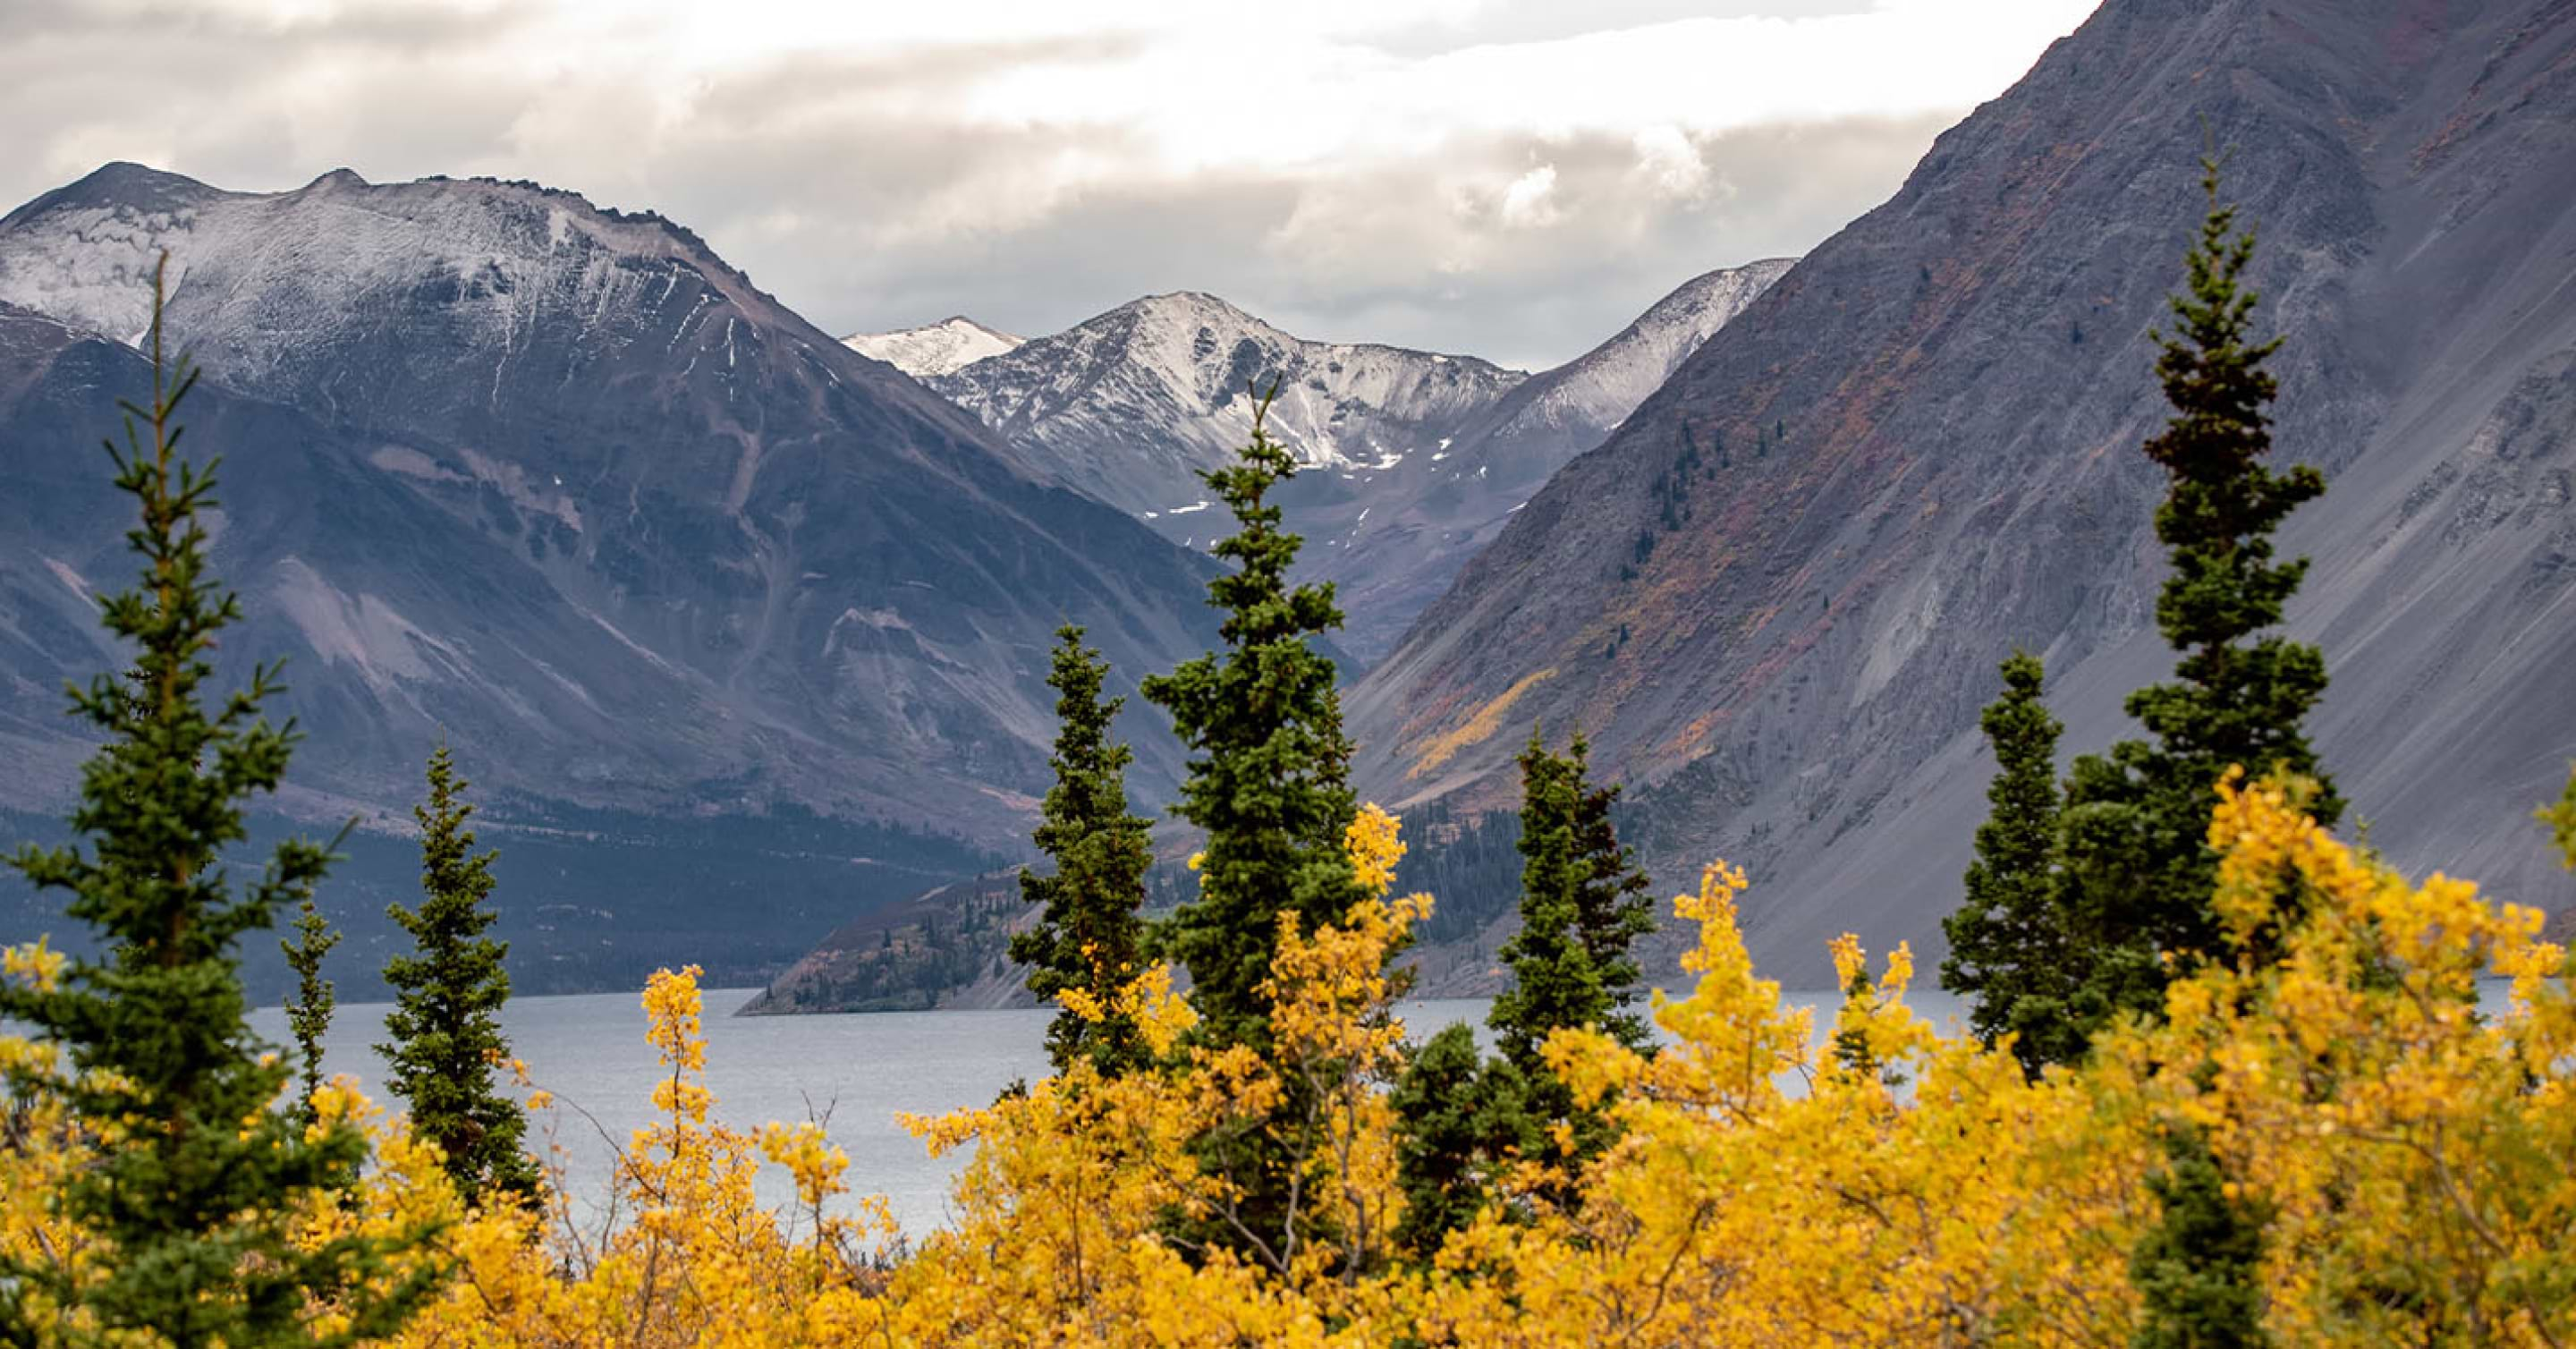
(2419, 1156)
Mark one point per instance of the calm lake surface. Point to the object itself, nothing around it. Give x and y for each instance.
(860, 1071)
(857, 1072)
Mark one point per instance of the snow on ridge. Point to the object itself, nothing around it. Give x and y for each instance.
(256, 279)
(933, 349)
(1605, 384)
(1185, 363)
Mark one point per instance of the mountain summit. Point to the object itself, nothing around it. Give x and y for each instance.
(556, 484)
(1413, 458)
(1130, 405)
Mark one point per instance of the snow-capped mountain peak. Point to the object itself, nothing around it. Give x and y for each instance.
(1417, 456)
(255, 278)
(1129, 404)
(933, 349)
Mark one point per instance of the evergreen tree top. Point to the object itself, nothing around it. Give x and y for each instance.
(1268, 778)
(1089, 936)
(2223, 503)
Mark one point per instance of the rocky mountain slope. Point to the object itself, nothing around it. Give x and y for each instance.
(941, 348)
(558, 485)
(1422, 526)
(1414, 458)
(1776, 596)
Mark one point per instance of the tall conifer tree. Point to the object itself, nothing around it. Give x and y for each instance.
(308, 1017)
(2136, 872)
(1613, 905)
(1553, 981)
(200, 1178)
(1268, 786)
(1269, 774)
(447, 1044)
(2008, 942)
(1089, 935)
(1583, 903)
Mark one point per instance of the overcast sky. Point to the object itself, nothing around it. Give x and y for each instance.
(1510, 178)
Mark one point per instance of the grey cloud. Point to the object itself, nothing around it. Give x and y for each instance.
(1540, 20)
(804, 171)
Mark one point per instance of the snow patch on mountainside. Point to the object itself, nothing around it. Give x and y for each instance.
(941, 348)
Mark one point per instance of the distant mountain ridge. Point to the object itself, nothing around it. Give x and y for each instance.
(560, 486)
(1776, 595)
(1414, 458)
(1131, 403)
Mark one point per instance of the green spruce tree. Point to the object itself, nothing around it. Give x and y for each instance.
(198, 1182)
(2136, 870)
(1269, 771)
(1459, 1116)
(1553, 981)
(2199, 1270)
(1088, 936)
(1613, 906)
(447, 1046)
(1268, 786)
(308, 1017)
(2008, 942)
(1583, 904)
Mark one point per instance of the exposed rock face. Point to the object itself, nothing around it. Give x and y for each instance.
(941, 348)
(1414, 458)
(559, 485)
(1776, 596)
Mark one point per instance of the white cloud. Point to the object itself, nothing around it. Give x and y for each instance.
(1669, 164)
(1526, 203)
(1427, 164)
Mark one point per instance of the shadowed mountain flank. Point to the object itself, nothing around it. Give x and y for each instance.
(1776, 596)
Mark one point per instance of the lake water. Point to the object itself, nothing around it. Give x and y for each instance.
(857, 1072)
(860, 1071)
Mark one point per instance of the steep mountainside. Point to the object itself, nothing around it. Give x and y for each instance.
(1567, 410)
(557, 484)
(941, 348)
(1423, 523)
(1776, 596)
(1415, 458)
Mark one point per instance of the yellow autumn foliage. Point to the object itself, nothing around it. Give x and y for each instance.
(2419, 1156)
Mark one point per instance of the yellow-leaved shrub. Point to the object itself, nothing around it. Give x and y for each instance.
(1887, 1183)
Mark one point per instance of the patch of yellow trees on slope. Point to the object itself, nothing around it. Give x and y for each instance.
(1899, 1186)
